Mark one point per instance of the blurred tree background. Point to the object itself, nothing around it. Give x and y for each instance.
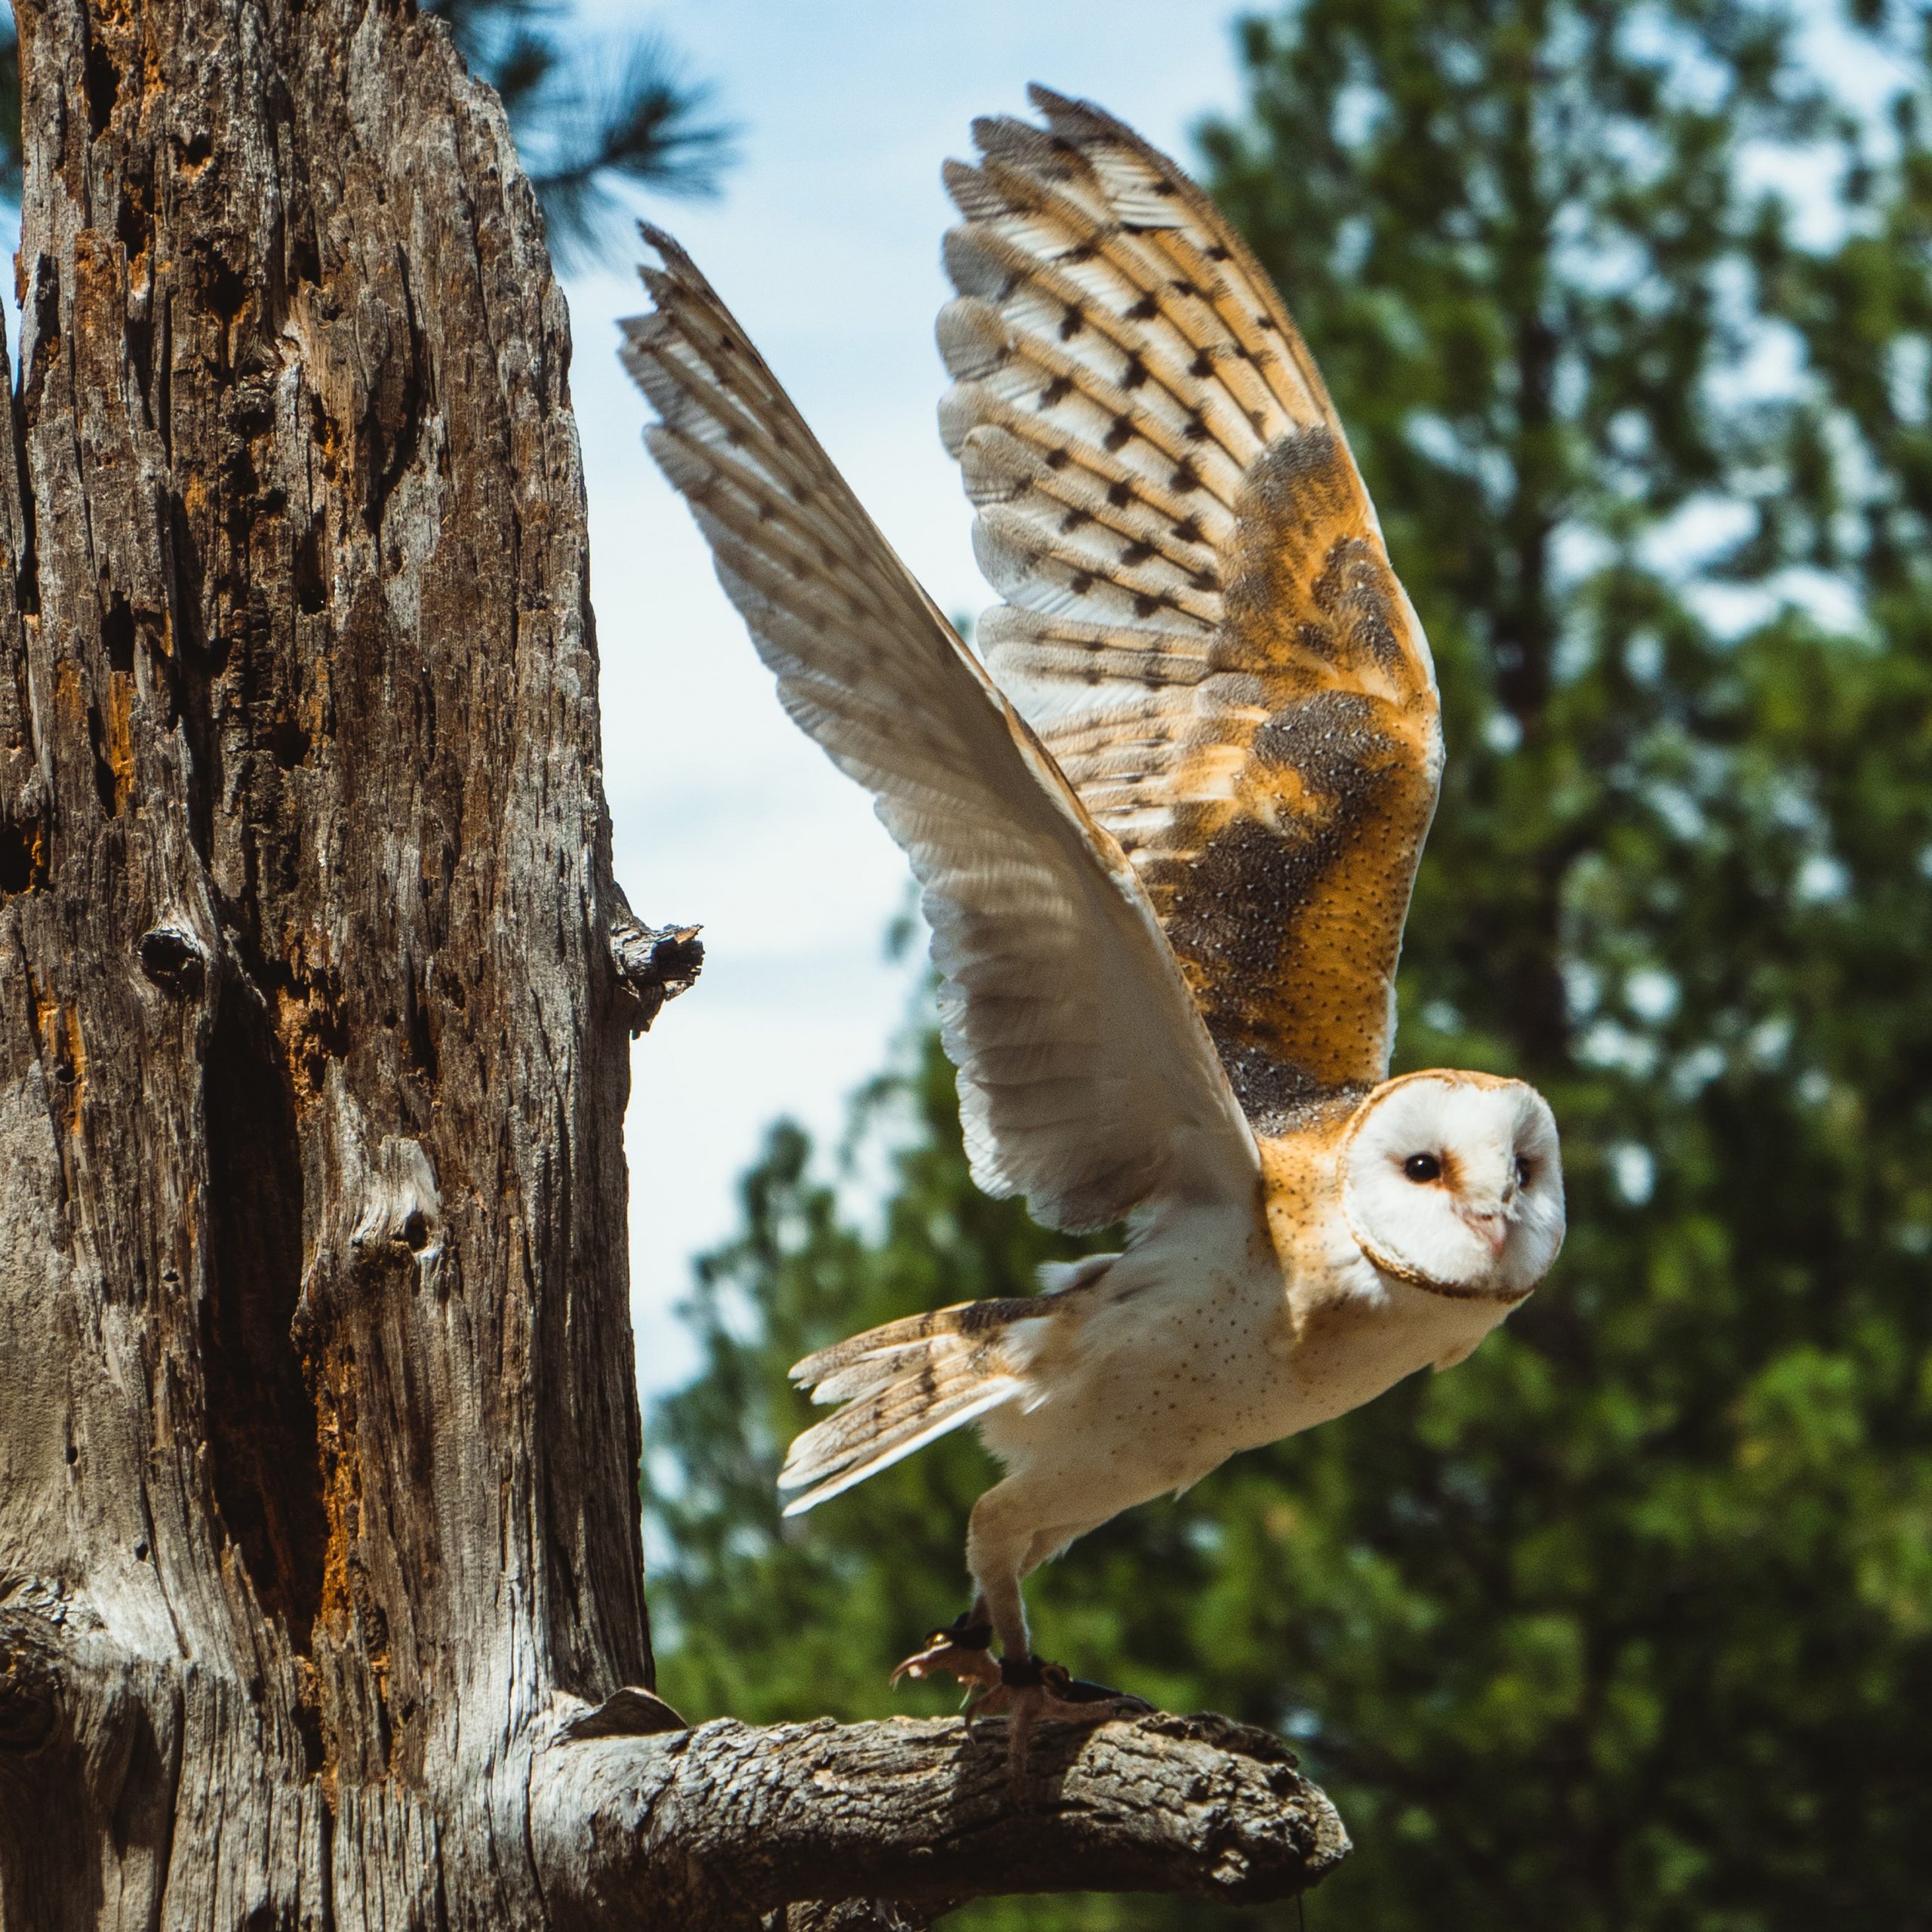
(1628, 1622)
(587, 117)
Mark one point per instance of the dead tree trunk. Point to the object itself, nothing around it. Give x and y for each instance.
(320, 1574)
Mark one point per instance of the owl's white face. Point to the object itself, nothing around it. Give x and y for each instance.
(1454, 1182)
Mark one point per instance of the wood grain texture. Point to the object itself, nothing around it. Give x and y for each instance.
(318, 1432)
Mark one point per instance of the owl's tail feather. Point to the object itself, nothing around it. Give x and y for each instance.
(903, 1385)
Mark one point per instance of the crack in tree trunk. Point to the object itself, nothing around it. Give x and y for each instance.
(321, 1576)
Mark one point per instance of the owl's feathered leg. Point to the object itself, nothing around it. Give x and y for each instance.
(1003, 1547)
(1000, 1537)
(997, 1544)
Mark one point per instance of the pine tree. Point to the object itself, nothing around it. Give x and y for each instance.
(587, 117)
(1628, 1621)
(588, 122)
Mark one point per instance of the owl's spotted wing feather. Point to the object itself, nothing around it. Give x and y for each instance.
(1201, 623)
(1087, 1081)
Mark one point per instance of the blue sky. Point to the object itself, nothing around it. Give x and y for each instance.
(825, 241)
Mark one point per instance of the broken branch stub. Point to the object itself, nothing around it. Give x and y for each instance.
(654, 963)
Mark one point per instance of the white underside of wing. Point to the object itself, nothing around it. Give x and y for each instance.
(1087, 1080)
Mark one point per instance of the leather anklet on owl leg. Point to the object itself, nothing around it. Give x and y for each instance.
(999, 1544)
(1032, 1691)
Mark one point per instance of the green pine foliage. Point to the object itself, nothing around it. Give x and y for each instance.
(588, 118)
(10, 108)
(1627, 1622)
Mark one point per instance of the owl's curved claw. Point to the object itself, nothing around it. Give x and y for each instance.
(964, 1647)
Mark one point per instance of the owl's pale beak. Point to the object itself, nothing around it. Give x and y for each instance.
(1492, 1228)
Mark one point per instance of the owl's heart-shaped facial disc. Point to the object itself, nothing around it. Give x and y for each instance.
(1454, 1182)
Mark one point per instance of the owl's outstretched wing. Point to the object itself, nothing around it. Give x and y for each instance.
(1201, 623)
(1087, 1082)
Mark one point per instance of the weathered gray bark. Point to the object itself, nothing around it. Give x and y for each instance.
(717, 1825)
(319, 1555)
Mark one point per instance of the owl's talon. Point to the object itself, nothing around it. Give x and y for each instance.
(964, 1647)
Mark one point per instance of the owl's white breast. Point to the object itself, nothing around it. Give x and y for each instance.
(1195, 1346)
(1362, 1331)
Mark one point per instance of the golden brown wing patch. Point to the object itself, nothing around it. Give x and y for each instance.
(1201, 623)
(1284, 896)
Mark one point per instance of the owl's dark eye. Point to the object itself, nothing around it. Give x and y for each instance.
(1525, 1170)
(1423, 1167)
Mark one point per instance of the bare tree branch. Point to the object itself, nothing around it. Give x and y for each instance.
(722, 1825)
(635, 1821)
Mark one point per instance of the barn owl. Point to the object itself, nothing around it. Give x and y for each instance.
(1167, 825)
